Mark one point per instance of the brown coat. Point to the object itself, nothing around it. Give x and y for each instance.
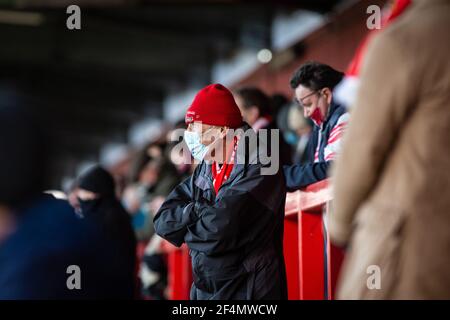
(392, 180)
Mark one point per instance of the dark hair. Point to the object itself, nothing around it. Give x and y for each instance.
(315, 76)
(254, 97)
(98, 180)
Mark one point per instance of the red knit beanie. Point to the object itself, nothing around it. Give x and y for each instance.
(214, 105)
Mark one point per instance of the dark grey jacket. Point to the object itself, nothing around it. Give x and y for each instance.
(235, 237)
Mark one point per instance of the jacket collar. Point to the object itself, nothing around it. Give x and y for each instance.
(331, 110)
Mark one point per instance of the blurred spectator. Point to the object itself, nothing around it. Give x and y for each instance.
(6, 223)
(301, 129)
(153, 177)
(43, 237)
(256, 110)
(72, 197)
(153, 270)
(313, 83)
(277, 102)
(392, 181)
(181, 160)
(98, 202)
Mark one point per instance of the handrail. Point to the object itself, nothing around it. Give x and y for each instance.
(308, 198)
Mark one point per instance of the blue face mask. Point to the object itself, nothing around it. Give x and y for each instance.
(291, 138)
(198, 150)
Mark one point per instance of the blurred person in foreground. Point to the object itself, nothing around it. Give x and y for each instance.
(97, 201)
(313, 85)
(227, 212)
(392, 180)
(42, 241)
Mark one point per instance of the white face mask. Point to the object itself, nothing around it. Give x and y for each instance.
(198, 150)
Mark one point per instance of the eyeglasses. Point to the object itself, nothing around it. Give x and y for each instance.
(300, 101)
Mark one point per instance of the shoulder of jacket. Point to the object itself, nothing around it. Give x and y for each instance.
(344, 117)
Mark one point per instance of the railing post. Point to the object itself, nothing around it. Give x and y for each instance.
(179, 277)
(318, 261)
(311, 255)
(291, 256)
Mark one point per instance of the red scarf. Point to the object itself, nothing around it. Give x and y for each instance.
(221, 174)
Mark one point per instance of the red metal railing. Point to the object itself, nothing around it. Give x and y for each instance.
(179, 277)
(312, 262)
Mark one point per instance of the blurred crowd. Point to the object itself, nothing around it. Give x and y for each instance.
(122, 198)
(149, 174)
(396, 148)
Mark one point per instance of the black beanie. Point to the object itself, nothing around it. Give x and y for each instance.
(99, 181)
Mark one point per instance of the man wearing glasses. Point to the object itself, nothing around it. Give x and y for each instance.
(313, 84)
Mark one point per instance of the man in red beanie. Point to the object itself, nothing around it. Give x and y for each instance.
(227, 212)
